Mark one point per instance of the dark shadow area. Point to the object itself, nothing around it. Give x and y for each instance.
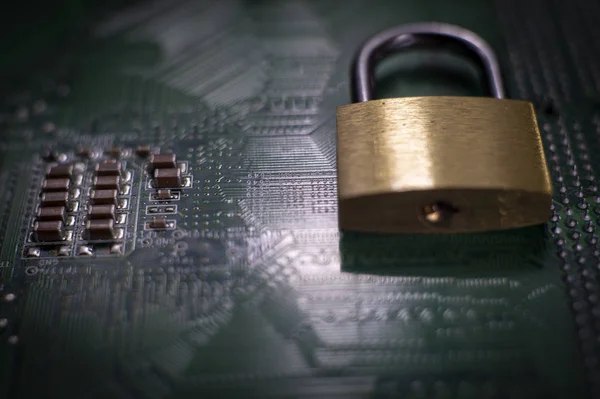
(435, 255)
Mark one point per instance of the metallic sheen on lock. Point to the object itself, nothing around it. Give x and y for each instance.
(438, 164)
(480, 157)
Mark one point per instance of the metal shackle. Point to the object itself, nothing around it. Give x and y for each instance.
(428, 34)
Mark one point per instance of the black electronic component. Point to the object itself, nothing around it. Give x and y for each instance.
(107, 182)
(143, 151)
(158, 224)
(163, 161)
(58, 184)
(55, 199)
(65, 170)
(52, 213)
(108, 169)
(101, 212)
(164, 178)
(100, 229)
(49, 231)
(104, 197)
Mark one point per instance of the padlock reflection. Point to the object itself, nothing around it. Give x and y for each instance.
(494, 253)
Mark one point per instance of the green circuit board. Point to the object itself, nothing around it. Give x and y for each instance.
(239, 283)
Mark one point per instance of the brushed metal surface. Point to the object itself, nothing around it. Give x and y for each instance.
(482, 157)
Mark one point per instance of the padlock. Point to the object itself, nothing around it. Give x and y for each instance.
(438, 164)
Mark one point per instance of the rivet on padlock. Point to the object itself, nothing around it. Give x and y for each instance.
(438, 164)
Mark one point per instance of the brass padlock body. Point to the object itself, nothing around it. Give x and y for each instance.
(440, 165)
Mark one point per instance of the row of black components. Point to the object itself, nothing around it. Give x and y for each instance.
(166, 183)
(104, 201)
(167, 180)
(59, 227)
(56, 192)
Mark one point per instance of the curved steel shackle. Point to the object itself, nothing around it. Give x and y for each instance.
(429, 34)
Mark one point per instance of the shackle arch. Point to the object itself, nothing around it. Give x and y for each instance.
(425, 34)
